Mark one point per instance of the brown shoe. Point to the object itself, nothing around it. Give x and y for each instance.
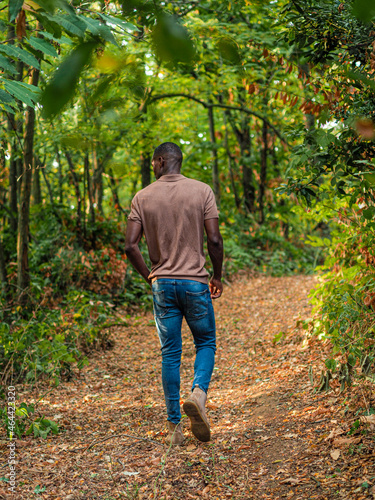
(195, 410)
(175, 435)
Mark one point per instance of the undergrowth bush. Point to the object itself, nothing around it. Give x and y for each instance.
(265, 249)
(344, 300)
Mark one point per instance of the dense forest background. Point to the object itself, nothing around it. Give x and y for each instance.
(272, 103)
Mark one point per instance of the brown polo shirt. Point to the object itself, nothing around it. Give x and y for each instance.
(172, 212)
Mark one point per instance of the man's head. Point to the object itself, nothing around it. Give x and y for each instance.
(167, 159)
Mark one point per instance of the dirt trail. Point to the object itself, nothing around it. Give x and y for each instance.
(272, 436)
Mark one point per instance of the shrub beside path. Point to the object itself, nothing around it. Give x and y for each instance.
(273, 436)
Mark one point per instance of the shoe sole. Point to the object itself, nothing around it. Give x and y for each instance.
(199, 424)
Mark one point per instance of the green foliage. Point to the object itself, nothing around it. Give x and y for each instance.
(249, 245)
(40, 427)
(344, 299)
(333, 171)
(22, 415)
(25, 423)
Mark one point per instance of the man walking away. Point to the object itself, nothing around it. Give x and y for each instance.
(173, 213)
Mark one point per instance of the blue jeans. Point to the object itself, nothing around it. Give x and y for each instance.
(174, 299)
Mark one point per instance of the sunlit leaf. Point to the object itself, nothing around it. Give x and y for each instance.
(108, 63)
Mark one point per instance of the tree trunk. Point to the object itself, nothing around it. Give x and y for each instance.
(263, 172)
(78, 197)
(145, 169)
(3, 271)
(90, 198)
(113, 186)
(36, 192)
(89, 189)
(244, 141)
(215, 163)
(230, 166)
(14, 146)
(61, 198)
(97, 178)
(23, 274)
(13, 188)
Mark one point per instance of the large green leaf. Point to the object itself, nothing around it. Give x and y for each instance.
(61, 40)
(14, 7)
(5, 98)
(98, 28)
(125, 25)
(51, 5)
(60, 90)
(171, 41)
(71, 23)
(364, 10)
(22, 91)
(21, 54)
(228, 50)
(7, 66)
(42, 45)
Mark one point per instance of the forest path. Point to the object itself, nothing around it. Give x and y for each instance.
(271, 435)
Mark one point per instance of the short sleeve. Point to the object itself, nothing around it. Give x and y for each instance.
(135, 213)
(210, 209)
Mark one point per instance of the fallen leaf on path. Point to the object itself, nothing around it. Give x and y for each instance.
(290, 480)
(367, 419)
(334, 433)
(342, 442)
(335, 454)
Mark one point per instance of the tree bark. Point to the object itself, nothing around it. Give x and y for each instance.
(61, 196)
(3, 271)
(215, 163)
(244, 141)
(97, 178)
(78, 197)
(263, 173)
(145, 169)
(90, 199)
(23, 273)
(230, 166)
(36, 191)
(113, 186)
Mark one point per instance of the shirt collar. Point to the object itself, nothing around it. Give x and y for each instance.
(171, 178)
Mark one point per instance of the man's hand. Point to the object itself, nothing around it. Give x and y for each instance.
(216, 288)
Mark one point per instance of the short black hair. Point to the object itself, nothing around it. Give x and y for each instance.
(170, 150)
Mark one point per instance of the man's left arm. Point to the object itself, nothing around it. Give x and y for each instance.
(132, 238)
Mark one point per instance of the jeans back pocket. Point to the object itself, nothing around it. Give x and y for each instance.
(197, 304)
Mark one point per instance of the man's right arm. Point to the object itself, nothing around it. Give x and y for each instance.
(132, 238)
(215, 251)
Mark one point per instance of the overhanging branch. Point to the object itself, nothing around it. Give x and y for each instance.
(223, 106)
